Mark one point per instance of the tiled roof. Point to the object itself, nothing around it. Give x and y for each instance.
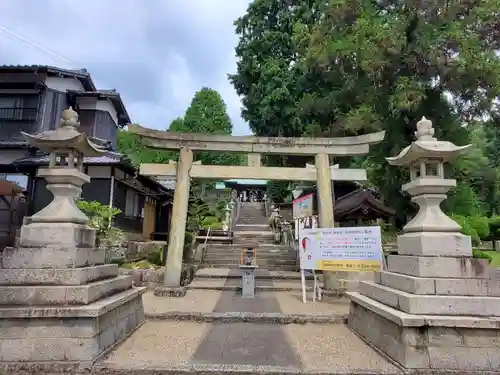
(167, 183)
(43, 158)
(114, 97)
(109, 158)
(81, 74)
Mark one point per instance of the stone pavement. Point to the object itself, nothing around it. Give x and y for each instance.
(165, 344)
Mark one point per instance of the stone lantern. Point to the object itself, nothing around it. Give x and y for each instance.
(433, 306)
(64, 175)
(428, 187)
(55, 279)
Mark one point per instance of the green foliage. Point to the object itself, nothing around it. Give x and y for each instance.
(478, 254)
(207, 114)
(353, 66)
(467, 229)
(131, 145)
(480, 225)
(211, 222)
(101, 219)
(464, 201)
(156, 257)
(494, 223)
(278, 191)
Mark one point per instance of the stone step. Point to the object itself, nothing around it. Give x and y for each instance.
(240, 247)
(440, 286)
(249, 240)
(226, 273)
(251, 317)
(260, 252)
(235, 255)
(268, 267)
(260, 262)
(234, 284)
(253, 233)
(429, 304)
(63, 294)
(260, 249)
(251, 227)
(253, 222)
(57, 276)
(422, 266)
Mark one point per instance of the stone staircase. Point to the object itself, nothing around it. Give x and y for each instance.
(251, 229)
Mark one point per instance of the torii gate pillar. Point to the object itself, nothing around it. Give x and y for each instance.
(325, 207)
(178, 225)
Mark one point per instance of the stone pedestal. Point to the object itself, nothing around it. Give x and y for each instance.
(59, 302)
(435, 307)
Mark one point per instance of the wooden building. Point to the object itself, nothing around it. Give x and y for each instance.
(355, 205)
(32, 99)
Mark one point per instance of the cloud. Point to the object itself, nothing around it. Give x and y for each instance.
(156, 53)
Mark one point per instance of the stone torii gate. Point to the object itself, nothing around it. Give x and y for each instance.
(185, 169)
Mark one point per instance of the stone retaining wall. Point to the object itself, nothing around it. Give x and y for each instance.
(425, 347)
(61, 338)
(151, 277)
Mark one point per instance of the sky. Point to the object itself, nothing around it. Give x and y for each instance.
(155, 53)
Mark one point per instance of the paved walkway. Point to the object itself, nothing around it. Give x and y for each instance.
(305, 348)
(310, 347)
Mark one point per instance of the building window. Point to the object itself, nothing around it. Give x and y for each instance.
(132, 203)
(11, 108)
(17, 178)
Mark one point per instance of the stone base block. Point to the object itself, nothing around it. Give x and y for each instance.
(63, 294)
(439, 343)
(163, 291)
(460, 268)
(451, 287)
(435, 244)
(52, 257)
(430, 304)
(60, 234)
(345, 281)
(57, 276)
(68, 334)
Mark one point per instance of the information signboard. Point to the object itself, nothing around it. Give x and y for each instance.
(341, 249)
(303, 206)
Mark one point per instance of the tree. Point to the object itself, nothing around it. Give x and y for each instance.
(207, 114)
(354, 66)
(177, 125)
(267, 76)
(131, 145)
(382, 65)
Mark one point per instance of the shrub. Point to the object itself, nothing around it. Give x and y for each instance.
(212, 222)
(156, 258)
(479, 254)
(467, 229)
(101, 218)
(494, 224)
(480, 225)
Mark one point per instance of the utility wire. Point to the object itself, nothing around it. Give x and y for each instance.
(15, 36)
